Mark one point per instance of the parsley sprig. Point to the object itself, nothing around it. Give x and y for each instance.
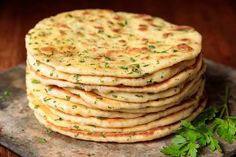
(5, 94)
(202, 132)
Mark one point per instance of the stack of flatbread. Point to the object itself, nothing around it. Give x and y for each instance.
(111, 76)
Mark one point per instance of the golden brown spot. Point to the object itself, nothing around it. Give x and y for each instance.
(93, 34)
(148, 19)
(168, 56)
(86, 13)
(117, 17)
(84, 43)
(144, 48)
(99, 27)
(61, 25)
(143, 27)
(184, 47)
(62, 32)
(91, 20)
(122, 41)
(132, 50)
(182, 28)
(48, 49)
(143, 16)
(80, 33)
(116, 30)
(101, 16)
(144, 39)
(185, 39)
(166, 35)
(145, 58)
(110, 22)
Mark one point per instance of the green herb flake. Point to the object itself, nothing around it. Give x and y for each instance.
(201, 133)
(108, 58)
(124, 68)
(68, 98)
(35, 81)
(74, 107)
(140, 96)
(41, 140)
(175, 50)
(107, 65)
(48, 131)
(132, 59)
(45, 99)
(76, 127)
(92, 125)
(114, 96)
(76, 77)
(150, 81)
(145, 65)
(151, 47)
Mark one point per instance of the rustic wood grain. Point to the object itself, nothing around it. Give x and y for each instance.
(214, 19)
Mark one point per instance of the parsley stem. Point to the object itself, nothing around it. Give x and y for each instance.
(225, 108)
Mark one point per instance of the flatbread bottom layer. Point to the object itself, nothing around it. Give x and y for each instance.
(120, 137)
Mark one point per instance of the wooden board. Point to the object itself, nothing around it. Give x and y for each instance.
(19, 130)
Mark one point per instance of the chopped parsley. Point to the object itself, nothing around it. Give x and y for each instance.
(132, 59)
(107, 65)
(68, 98)
(76, 127)
(74, 107)
(193, 136)
(41, 140)
(35, 81)
(114, 96)
(45, 99)
(48, 131)
(151, 47)
(145, 65)
(76, 77)
(5, 94)
(108, 58)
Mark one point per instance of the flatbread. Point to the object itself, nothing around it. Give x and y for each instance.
(106, 43)
(92, 100)
(150, 134)
(179, 78)
(189, 105)
(156, 77)
(170, 119)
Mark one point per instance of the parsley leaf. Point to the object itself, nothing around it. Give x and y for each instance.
(200, 133)
(226, 128)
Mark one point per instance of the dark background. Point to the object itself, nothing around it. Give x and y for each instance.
(214, 19)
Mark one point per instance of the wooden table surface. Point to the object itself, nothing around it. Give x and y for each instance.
(214, 19)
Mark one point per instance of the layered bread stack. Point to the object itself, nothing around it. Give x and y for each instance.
(113, 76)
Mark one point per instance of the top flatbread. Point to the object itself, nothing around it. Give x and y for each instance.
(107, 43)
